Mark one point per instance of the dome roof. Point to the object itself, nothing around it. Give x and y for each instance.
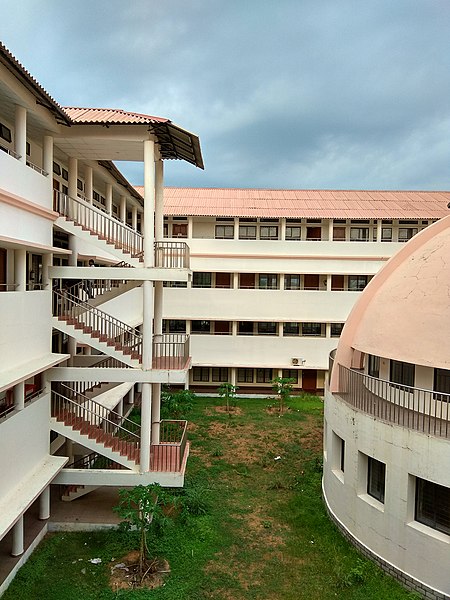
(404, 312)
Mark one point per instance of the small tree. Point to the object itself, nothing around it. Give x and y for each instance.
(175, 405)
(282, 386)
(143, 510)
(227, 391)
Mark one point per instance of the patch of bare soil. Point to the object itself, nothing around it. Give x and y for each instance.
(234, 410)
(125, 573)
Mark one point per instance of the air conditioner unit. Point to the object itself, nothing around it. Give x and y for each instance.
(294, 361)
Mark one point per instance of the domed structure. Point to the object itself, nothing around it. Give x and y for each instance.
(387, 420)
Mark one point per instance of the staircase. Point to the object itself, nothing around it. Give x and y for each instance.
(90, 461)
(85, 220)
(99, 429)
(99, 329)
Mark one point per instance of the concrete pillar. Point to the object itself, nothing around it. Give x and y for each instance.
(123, 209)
(328, 330)
(20, 269)
(73, 176)
(236, 228)
(190, 228)
(281, 281)
(330, 230)
(156, 412)
(89, 184)
(47, 260)
(283, 229)
(20, 133)
(328, 283)
(44, 504)
(235, 282)
(108, 197)
(131, 396)
(73, 247)
(119, 408)
(234, 327)
(159, 200)
(146, 421)
(69, 450)
(18, 541)
(47, 158)
(19, 396)
(233, 375)
(72, 348)
(149, 202)
(379, 230)
(134, 217)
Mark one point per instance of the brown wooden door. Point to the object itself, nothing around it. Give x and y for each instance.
(179, 230)
(309, 380)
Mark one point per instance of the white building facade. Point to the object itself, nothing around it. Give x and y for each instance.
(71, 368)
(386, 479)
(276, 273)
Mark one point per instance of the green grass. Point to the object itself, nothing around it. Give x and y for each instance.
(257, 527)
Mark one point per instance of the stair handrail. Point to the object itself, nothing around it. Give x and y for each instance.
(87, 215)
(100, 419)
(70, 306)
(88, 461)
(83, 398)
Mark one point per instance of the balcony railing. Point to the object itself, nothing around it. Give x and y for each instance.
(37, 169)
(171, 255)
(426, 411)
(170, 351)
(169, 454)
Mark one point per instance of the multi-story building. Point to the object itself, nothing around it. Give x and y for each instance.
(71, 367)
(386, 476)
(276, 273)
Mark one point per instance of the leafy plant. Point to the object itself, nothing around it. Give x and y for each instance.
(227, 391)
(282, 386)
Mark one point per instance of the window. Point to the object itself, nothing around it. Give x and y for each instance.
(402, 373)
(376, 477)
(432, 507)
(246, 281)
(359, 234)
(220, 374)
(290, 374)
(442, 384)
(336, 329)
(201, 327)
(373, 368)
(293, 232)
(338, 234)
(338, 453)
(175, 284)
(292, 282)
(314, 233)
(5, 133)
(245, 328)
(311, 282)
(56, 168)
(268, 281)
(223, 280)
(386, 234)
(264, 375)
(201, 280)
(245, 375)
(406, 233)
(269, 328)
(80, 185)
(179, 230)
(224, 232)
(247, 232)
(201, 374)
(356, 283)
(268, 232)
(337, 282)
(222, 328)
(176, 326)
(312, 329)
(290, 329)
(65, 174)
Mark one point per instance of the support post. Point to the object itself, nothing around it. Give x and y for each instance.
(20, 134)
(44, 504)
(18, 542)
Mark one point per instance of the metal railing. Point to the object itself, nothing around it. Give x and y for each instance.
(8, 287)
(168, 455)
(170, 351)
(94, 461)
(37, 169)
(97, 323)
(70, 412)
(11, 152)
(426, 411)
(171, 255)
(103, 225)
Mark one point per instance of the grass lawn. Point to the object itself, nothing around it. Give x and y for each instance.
(265, 535)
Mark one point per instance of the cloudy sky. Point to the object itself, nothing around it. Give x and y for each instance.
(283, 93)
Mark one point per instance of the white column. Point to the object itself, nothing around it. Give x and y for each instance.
(190, 228)
(89, 184)
(73, 176)
(47, 260)
(123, 209)
(281, 281)
(19, 396)
(330, 230)
(283, 229)
(379, 230)
(235, 282)
(234, 327)
(108, 196)
(159, 200)
(146, 420)
(131, 396)
(156, 412)
(47, 159)
(20, 133)
(18, 543)
(328, 330)
(20, 269)
(236, 228)
(328, 283)
(44, 504)
(233, 375)
(134, 217)
(149, 202)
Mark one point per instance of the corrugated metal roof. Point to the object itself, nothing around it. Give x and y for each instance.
(351, 204)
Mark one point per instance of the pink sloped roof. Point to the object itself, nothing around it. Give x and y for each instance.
(351, 204)
(109, 115)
